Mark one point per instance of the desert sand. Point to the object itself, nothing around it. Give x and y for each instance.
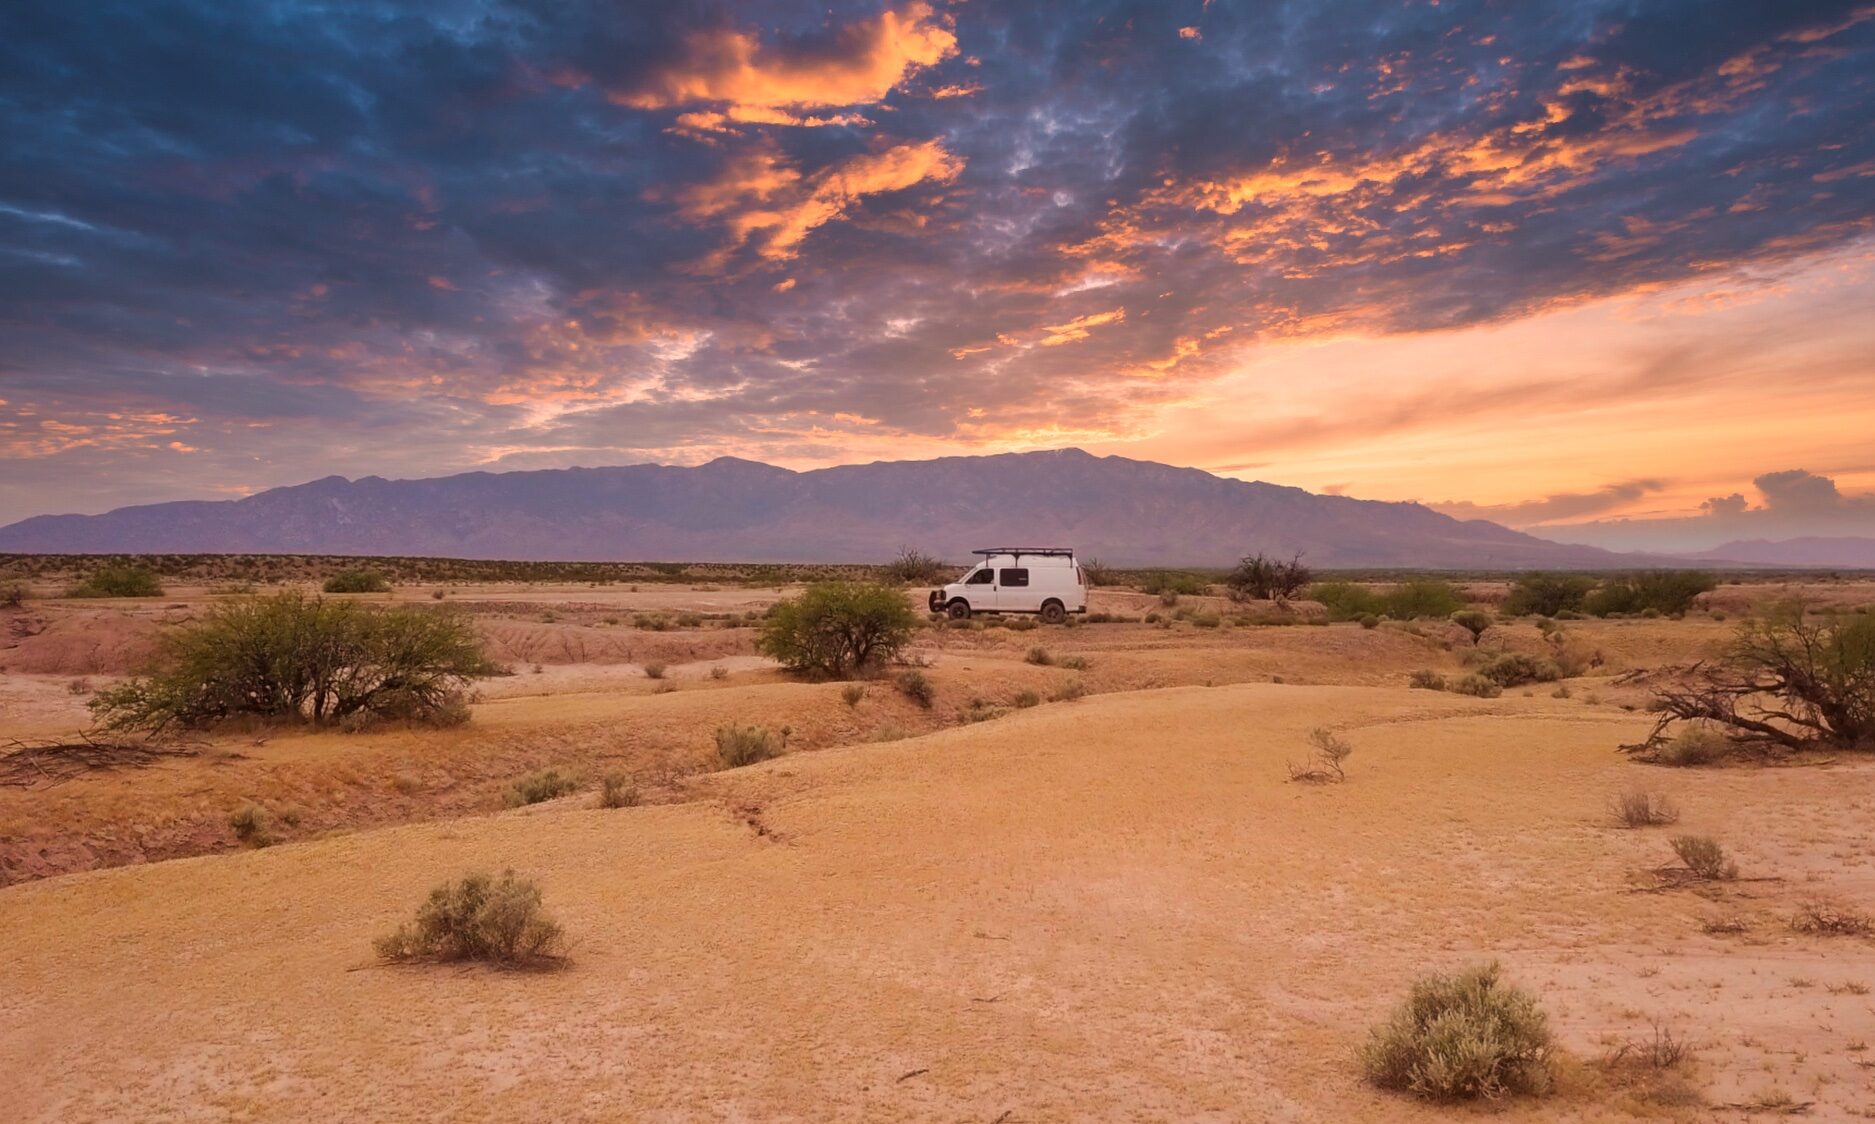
(1112, 908)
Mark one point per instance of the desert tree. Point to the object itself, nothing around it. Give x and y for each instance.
(838, 629)
(1787, 679)
(1259, 577)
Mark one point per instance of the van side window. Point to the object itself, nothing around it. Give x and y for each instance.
(980, 577)
(1016, 578)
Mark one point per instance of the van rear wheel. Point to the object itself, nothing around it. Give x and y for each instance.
(958, 610)
(1054, 612)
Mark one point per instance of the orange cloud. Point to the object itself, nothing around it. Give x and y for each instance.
(769, 86)
(762, 195)
(1080, 327)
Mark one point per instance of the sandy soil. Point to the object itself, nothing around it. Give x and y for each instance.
(1112, 909)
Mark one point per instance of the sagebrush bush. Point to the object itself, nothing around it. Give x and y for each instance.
(1069, 691)
(1639, 808)
(479, 918)
(118, 581)
(252, 825)
(745, 745)
(915, 686)
(1331, 753)
(655, 670)
(356, 581)
(1039, 656)
(1072, 663)
(1693, 746)
(1473, 621)
(1025, 698)
(1704, 857)
(618, 791)
(1477, 686)
(1515, 669)
(1370, 621)
(546, 784)
(853, 693)
(1462, 1037)
(1823, 919)
(839, 628)
(1426, 679)
(298, 658)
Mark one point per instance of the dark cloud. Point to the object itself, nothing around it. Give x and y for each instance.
(1561, 506)
(1793, 503)
(493, 231)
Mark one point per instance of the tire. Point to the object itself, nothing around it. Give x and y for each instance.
(1053, 612)
(958, 610)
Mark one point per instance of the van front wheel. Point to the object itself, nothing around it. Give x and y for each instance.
(958, 610)
(1054, 612)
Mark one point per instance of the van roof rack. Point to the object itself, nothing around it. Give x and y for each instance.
(1051, 551)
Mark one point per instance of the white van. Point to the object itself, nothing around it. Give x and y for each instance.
(1044, 580)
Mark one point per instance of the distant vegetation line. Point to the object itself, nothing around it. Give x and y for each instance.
(265, 568)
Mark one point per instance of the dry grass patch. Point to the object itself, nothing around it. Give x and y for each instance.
(1703, 859)
(745, 745)
(1638, 808)
(546, 784)
(1823, 919)
(915, 686)
(499, 921)
(1459, 1037)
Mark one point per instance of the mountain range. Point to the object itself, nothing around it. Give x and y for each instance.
(1124, 512)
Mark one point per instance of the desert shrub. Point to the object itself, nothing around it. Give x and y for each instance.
(655, 670)
(1327, 764)
(1173, 582)
(1639, 808)
(745, 745)
(1025, 624)
(547, 784)
(1258, 577)
(1664, 591)
(12, 595)
(852, 693)
(1072, 663)
(252, 826)
(1693, 746)
(118, 581)
(479, 918)
(1345, 601)
(1069, 691)
(1039, 656)
(438, 595)
(1823, 919)
(616, 790)
(911, 566)
(1704, 858)
(1515, 669)
(1369, 621)
(1462, 1037)
(1026, 698)
(839, 628)
(915, 686)
(1472, 621)
(719, 673)
(291, 657)
(1426, 680)
(356, 581)
(1422, 597)
(1547, 594)
(1477, 686)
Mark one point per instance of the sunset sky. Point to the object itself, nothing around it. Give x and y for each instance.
(1602, 270)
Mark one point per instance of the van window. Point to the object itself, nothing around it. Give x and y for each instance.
(980, 577)
(1015, 577)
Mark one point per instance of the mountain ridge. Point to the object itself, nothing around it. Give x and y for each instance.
(1127, 512)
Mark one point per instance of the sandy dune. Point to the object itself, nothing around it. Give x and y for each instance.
(1116, 909)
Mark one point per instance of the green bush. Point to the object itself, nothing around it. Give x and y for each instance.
(357, 581)
(547, 784)
(1345, 601)
(1422, 597)
(479, 918)
(1462, 1037)
(1547, 594)
(1666, 592)
(839, 628)
(745, 745)
(1173, 582)
(118, 581)
(1369, 621)
(294, 658)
